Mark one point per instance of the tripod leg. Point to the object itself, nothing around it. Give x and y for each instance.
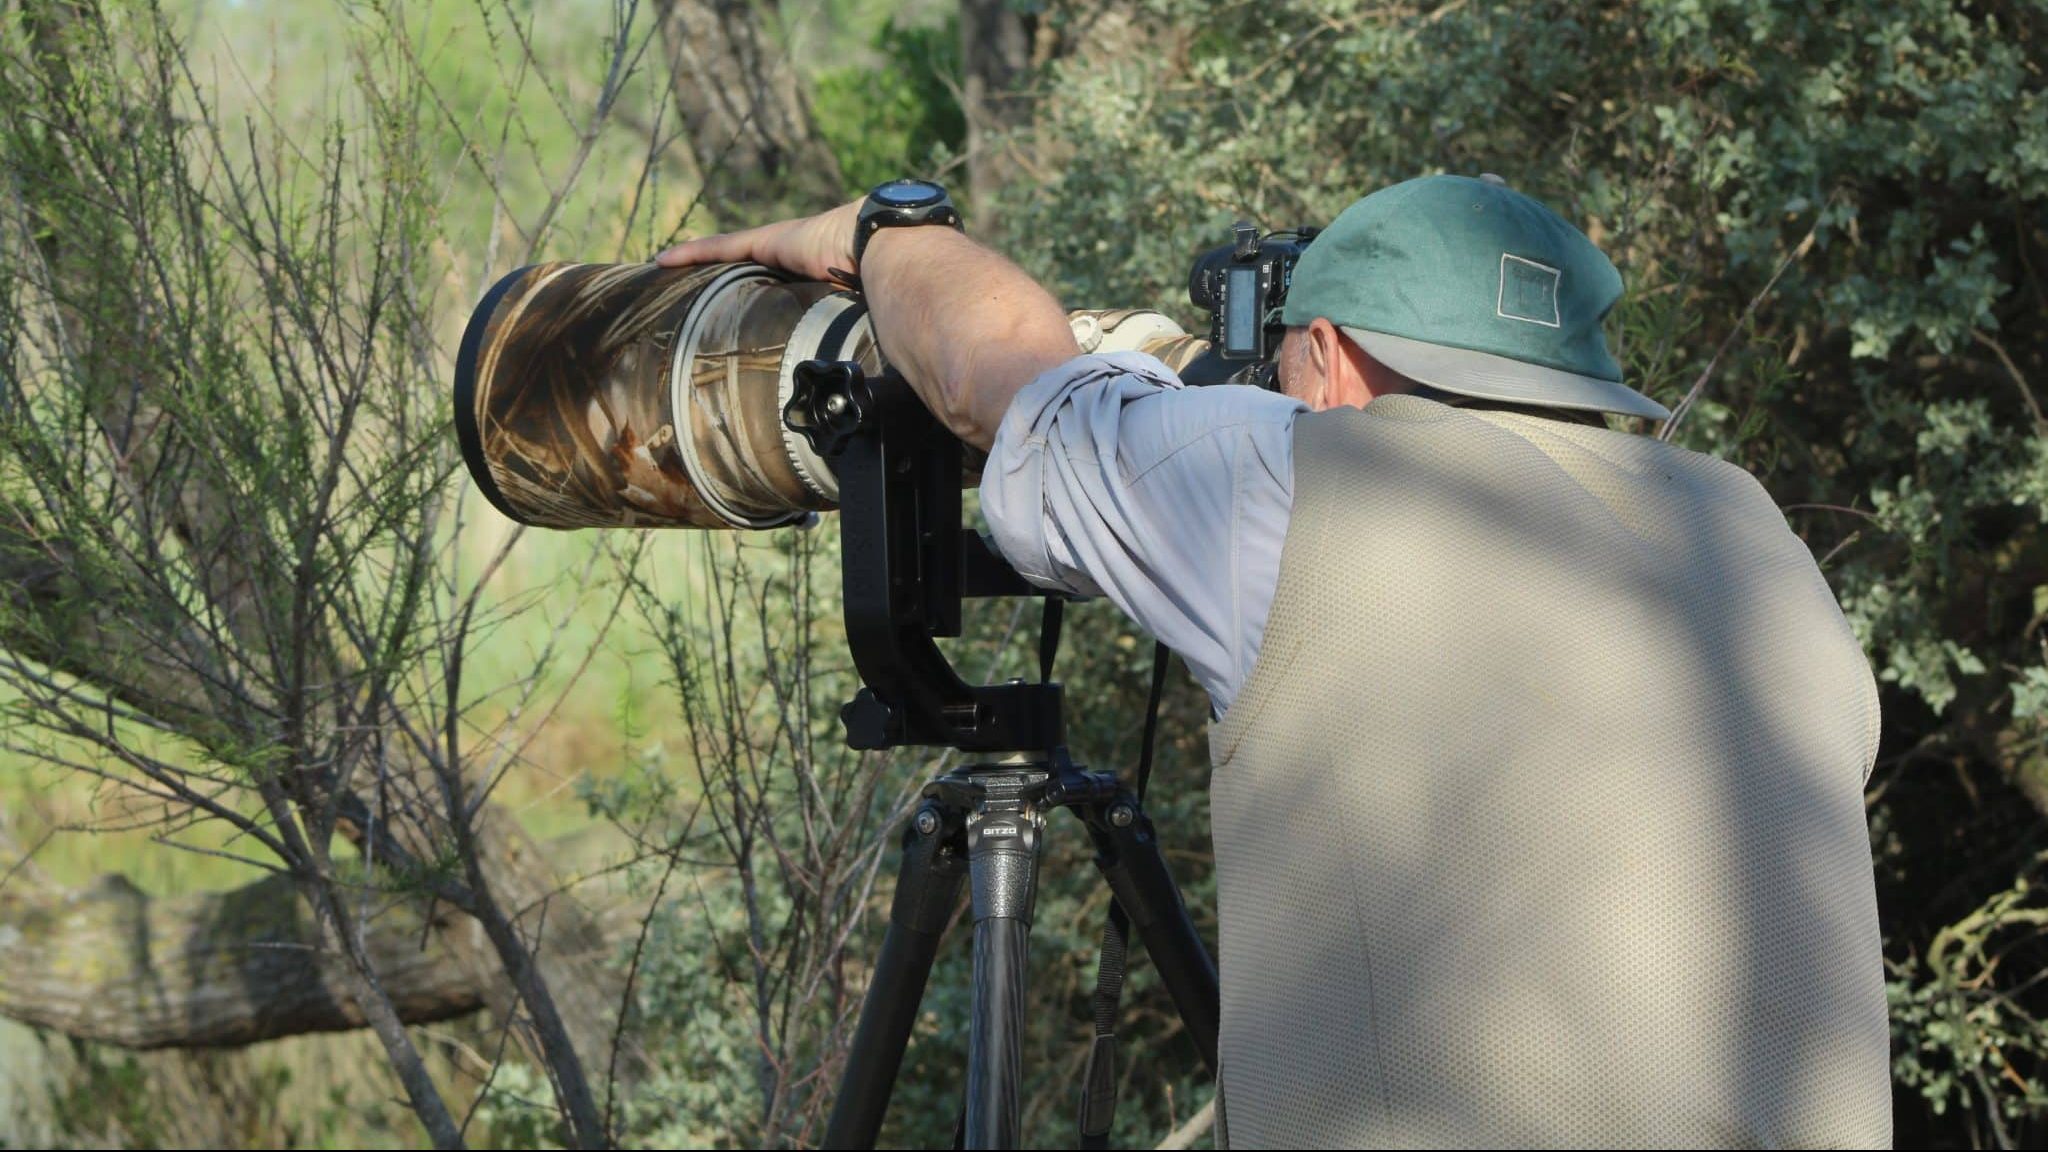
(1003, 841)
(1128, 854)
(927, 886)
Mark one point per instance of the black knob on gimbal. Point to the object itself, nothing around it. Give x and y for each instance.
(828, 404)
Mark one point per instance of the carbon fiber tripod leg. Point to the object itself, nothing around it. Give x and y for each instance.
(1128, 854)
(927, 887)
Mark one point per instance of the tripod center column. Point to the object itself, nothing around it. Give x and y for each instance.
(1004, 828)
(1003, 832)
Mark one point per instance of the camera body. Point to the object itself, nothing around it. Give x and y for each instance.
(1243, 286)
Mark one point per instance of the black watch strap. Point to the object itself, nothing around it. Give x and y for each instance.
(902, 204)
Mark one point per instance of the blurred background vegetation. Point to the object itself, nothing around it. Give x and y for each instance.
(1832, 221)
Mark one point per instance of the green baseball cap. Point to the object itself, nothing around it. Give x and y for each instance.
(1470, 287)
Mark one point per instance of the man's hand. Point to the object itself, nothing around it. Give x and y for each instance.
(811, 247)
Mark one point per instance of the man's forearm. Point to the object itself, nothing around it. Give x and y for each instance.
(965, 326)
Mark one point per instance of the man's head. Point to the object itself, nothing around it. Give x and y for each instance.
(1462, 285)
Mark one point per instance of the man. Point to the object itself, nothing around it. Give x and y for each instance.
(1537, 796)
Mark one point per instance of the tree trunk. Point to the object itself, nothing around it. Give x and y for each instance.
(744, 115)
(108, 963)
(995, 54)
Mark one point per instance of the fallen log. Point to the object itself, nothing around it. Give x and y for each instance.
(112, 964)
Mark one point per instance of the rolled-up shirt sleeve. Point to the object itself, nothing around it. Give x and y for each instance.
(1109, 477)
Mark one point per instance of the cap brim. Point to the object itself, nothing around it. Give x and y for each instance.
(1484, 376)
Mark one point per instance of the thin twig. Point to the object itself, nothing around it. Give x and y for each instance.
(2018, 378)
(1699, 386)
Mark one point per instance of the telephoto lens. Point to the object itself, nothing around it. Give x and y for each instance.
(636, 396)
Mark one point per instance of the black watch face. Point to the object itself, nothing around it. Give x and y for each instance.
(909, 193)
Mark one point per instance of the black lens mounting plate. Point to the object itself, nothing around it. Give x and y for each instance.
(906, 563)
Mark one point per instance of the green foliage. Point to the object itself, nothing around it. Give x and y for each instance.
(899, 116)
(516, 1109)
(88, 1096)
(107, 1093)
(692, 1001)
(1956, 1031)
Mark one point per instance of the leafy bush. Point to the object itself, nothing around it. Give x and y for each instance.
(899, 117)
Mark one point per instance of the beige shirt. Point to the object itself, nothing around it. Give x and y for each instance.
(1539, 820)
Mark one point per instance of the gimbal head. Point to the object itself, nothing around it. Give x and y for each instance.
(907, 564)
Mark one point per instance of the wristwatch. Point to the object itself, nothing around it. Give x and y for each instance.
(902, 204)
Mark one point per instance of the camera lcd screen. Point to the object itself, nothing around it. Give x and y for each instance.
(1241, 311)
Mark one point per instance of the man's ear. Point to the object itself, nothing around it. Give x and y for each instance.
(1341, 366)
(1326, 360)
(1323, 349)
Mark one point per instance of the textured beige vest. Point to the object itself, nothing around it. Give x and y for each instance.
(1539, 820)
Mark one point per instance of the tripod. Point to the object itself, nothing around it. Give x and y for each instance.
(907, 564)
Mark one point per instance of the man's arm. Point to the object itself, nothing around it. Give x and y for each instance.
(966, 327)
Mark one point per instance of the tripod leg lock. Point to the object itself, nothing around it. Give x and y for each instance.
(934, 864)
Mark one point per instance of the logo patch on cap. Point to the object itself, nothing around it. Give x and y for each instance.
(1528, 292)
